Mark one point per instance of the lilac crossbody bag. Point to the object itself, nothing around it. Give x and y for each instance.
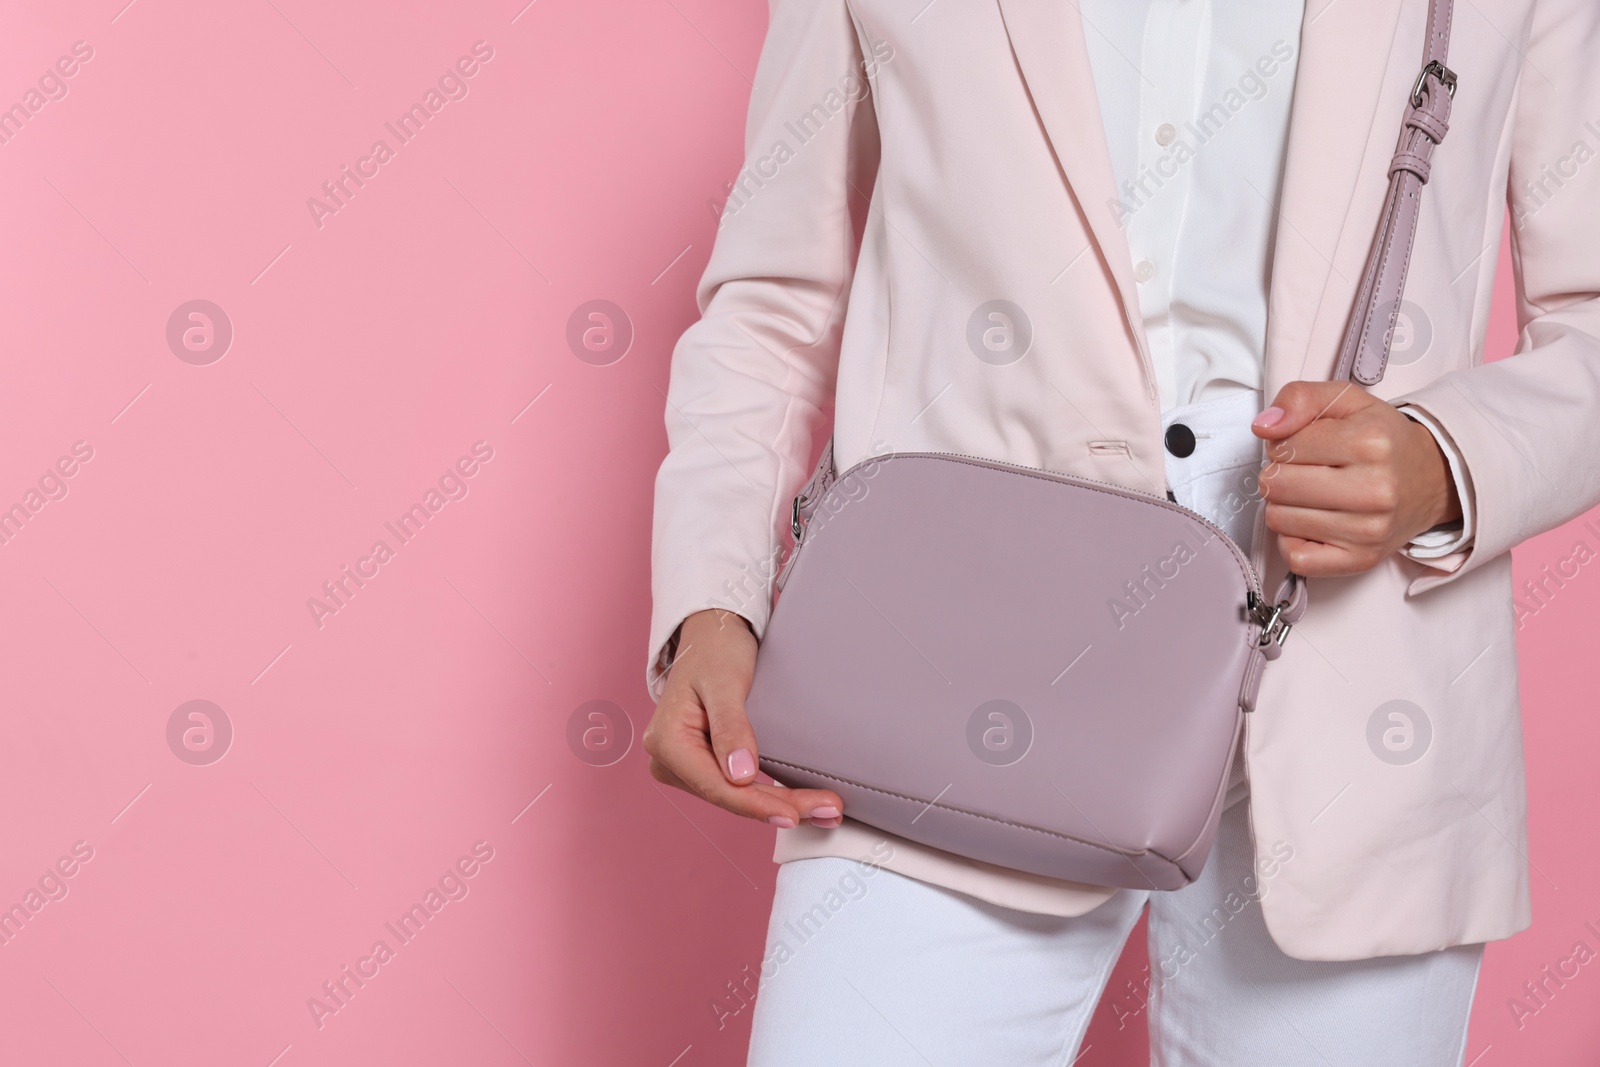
(948, 653)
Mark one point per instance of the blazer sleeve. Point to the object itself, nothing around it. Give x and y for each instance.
(1528, 426)
(752, 380)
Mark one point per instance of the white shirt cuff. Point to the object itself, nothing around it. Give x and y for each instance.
(1451, 537)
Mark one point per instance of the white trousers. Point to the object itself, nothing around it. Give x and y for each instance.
(864, 966)
(868, 968)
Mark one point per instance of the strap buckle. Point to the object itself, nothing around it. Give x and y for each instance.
(1446, 76)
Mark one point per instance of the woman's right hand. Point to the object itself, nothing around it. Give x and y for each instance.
(699, 739)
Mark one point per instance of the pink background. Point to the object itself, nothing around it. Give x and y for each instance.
(430, 713)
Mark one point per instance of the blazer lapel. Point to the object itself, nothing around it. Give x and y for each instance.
(1334, 184)
(1047, 40)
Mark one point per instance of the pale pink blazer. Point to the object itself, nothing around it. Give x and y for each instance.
(976, 169)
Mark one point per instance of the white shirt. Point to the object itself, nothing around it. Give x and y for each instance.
(1195, 96)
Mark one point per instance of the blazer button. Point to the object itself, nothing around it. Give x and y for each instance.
(1180, 440)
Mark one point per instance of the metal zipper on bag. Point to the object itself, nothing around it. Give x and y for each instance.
(1245, 563)
(1265, 614)
(1270, 618)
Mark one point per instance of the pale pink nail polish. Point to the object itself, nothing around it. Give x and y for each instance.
(827, 824)
(827, 811)
(782, 822)
(741, 764)
(1270, 417)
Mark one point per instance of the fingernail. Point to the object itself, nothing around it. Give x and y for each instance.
(827, 824)
(827, 811)
(782, 822)
(1269, 417)
(741, 764)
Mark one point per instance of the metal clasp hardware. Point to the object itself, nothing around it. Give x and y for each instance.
(1446, 76)
(795, 526)
(1270, 619)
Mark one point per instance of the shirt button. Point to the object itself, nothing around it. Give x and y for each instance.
(1166, 133)
(1180, 440)
(1144, 270)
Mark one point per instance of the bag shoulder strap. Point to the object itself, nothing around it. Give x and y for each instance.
(1365, 352)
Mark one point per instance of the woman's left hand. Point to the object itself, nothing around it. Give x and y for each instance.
(1351, 479)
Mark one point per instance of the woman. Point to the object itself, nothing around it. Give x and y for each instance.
(1094, 239)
